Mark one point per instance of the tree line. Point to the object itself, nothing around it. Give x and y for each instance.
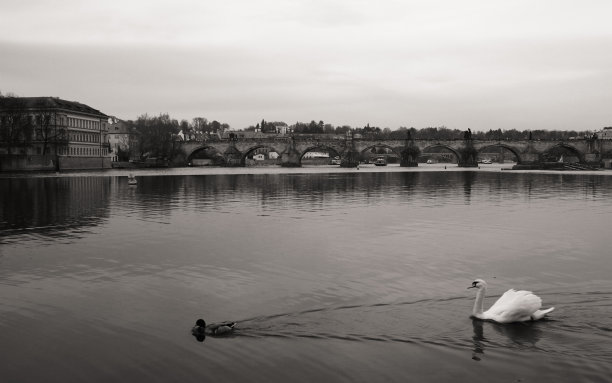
(155, 136)
(435, 133)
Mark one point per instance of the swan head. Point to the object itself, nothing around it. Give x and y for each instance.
(478, 284)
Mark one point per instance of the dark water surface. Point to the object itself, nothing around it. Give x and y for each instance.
(335, 277)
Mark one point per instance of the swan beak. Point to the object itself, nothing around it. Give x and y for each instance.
(471, 287)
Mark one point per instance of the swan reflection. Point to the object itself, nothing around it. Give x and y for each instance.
(478, 339)
(513, 335)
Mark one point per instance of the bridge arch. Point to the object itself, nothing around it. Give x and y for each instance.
(323, 147)
(327, 148)
(550, 153)
(213, 153)
(500, 145)
(191, 153)
(379, 145)
(245, 154)
(449, 148)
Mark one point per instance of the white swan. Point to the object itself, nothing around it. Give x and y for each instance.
(513, 306)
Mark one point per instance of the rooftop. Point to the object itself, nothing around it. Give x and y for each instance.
(46, 103)
(118, 127)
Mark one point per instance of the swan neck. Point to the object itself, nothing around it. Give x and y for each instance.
(479, 303)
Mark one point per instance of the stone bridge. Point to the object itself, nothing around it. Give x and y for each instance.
(234, 151)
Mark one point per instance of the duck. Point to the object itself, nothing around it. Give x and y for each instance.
(213, 329)
(512, 306)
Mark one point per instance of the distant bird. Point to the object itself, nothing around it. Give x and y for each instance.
(513, 306)
(214, 329)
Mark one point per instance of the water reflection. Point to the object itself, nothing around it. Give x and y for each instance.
(468, 181)
(162, 194)
(478, 339)
(364, 267)
(62, 206)
(52, 206)
(512, 335)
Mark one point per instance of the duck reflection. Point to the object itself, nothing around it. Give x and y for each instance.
(514, 335)
(199, 337)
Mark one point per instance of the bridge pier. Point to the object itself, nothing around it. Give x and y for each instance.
(468, 155)
(350, 159)
(410, 154)
(529, 159)
(593, 156)
(233, 156)
(290, 158)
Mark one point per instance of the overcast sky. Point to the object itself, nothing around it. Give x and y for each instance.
(536, 64)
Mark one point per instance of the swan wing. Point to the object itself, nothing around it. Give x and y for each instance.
(541, 313)
(503, 301)
(514, 306)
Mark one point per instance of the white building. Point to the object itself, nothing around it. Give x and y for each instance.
(119, 138)
(283, 129)
(605, 133)
(316, 155)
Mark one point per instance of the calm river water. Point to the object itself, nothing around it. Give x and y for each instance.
(332, 275)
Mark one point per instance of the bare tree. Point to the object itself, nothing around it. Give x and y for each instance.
(51, 134)
(200, 127)
(157, 135)
(15, 130)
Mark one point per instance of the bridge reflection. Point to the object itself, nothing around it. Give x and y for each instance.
(67, 206)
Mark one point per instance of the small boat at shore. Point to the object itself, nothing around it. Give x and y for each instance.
(380, 161)
(132, 180)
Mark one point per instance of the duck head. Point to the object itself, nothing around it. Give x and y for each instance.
(199, 330)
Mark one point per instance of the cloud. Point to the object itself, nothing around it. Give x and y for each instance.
(392, 63)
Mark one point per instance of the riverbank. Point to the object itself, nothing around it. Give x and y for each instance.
(393, 168)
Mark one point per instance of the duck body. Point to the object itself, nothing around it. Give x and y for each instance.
(512, 306)
(213, 329)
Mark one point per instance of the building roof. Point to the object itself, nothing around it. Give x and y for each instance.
(38, 103)
(118, 127)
